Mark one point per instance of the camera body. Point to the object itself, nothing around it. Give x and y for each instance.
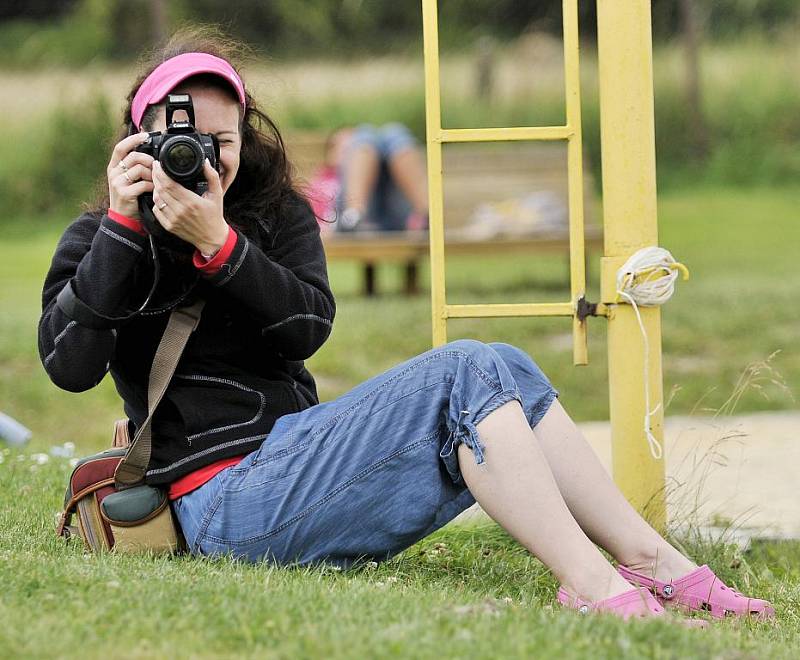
(181, 149)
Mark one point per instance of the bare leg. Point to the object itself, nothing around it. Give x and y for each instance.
(598, 505)
(408, 170)
(516, 488)
(360, 176)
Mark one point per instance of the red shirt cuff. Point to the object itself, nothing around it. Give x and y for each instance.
(131, 223)
(212, 266)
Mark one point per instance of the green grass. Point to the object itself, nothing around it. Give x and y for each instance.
(464, 592)
(738, 308)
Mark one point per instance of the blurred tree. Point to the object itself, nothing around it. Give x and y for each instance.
(97, 29)
(692, 27)
(159, 20)
(34, 9)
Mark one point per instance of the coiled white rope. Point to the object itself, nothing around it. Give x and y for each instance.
(647, 279)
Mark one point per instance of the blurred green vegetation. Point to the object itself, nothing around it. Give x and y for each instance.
(53, 157)
(84, 31)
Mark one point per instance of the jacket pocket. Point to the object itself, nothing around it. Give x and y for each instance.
(210, 405)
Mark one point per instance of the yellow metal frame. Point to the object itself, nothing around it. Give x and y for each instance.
(571, 132)
(629, 216)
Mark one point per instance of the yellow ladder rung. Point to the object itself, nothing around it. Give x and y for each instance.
(515, 133)
(508, 310)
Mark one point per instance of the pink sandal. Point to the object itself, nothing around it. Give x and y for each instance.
(701, 590)
(637, 602)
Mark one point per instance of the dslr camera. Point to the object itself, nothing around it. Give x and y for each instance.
(180, 149)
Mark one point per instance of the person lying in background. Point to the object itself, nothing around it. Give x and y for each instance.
(373, 178)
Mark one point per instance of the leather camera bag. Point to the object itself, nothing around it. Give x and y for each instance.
(116, 510)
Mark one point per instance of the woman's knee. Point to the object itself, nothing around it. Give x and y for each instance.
(470, 347)
(395, 138)
(365, 137)
(517, 360)
(535, 388)
(467, 358)
(520, 364)
(511, 354)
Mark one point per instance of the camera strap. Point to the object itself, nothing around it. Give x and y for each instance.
(182, 322)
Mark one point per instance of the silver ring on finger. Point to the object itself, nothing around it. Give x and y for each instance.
(123, 165)
(162, 206)
(127, 178)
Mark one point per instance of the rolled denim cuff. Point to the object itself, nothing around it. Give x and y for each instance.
(540, 408)
(465, 431)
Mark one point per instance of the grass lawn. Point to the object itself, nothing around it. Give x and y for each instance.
(476, 594)
(464, 592)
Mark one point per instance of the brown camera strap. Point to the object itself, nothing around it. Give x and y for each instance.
(182, 322)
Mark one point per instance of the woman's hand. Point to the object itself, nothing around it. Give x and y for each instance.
(193, 218)
(129, 175)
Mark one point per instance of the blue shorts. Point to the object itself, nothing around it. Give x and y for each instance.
(388, 208)
(368, 474)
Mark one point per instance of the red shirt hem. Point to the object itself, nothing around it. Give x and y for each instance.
(194, 480)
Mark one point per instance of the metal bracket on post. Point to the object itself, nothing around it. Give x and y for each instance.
(585, 308)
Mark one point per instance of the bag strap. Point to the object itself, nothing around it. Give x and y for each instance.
(182, 322)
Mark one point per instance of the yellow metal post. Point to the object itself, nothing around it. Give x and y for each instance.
(630, 223)
(433, 127)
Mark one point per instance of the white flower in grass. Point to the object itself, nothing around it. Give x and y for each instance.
(40, 459)
(67, 450)
(73, 462)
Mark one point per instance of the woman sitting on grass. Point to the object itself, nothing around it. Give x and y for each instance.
(255, 466)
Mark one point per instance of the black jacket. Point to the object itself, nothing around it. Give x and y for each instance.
(267, 309)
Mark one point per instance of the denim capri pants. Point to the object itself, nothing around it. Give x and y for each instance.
(366, 475)
(388, 208)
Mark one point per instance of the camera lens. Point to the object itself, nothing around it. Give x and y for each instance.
(181, 159)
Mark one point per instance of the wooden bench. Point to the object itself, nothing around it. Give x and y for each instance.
(474, 174)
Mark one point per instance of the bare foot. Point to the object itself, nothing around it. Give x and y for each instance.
(594, 588)
(665, 564)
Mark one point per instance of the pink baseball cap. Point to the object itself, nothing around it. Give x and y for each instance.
(166, 76)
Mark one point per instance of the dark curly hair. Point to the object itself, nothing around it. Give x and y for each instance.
(263, 187)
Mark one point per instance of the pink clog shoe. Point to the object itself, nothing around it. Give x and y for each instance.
(701, 590)
(634, 603)
(637, 603)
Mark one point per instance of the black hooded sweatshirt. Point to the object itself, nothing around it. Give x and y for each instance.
(267, 309)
